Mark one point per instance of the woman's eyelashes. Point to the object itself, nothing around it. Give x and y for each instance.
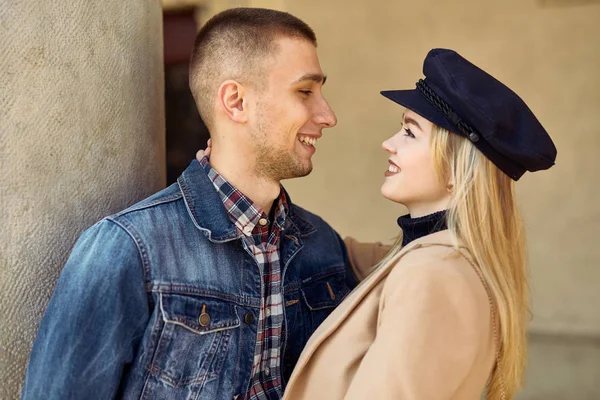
(408, 132)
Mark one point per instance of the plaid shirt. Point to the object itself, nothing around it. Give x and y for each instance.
(264, 244)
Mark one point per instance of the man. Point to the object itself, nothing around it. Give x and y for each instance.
(210, 288)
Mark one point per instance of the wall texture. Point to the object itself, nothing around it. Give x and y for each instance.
(81, 136)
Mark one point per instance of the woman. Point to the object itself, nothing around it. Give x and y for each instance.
(443, 315)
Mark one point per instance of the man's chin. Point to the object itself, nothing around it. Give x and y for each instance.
(283, 166)
(305, 172)
(298, 171)
(297, 174)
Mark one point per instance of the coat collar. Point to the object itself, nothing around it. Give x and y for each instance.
(206, 209)
(326, 329)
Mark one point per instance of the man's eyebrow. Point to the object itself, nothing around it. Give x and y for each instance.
(318, 78)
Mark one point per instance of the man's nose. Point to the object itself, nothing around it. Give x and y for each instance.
(325, 115)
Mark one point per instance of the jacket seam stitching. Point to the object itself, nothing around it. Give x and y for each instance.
(141, 249)
(169, 199)
(189, 290)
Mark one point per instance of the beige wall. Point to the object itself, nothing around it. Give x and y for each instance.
(208, 8)
(548, 52)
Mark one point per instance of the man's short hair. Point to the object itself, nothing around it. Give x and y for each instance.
(236, 44)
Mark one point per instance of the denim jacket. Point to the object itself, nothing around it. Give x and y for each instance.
(125, 318)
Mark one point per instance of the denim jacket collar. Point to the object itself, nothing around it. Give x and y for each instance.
(208, 214)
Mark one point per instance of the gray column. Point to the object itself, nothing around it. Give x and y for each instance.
(81, 136)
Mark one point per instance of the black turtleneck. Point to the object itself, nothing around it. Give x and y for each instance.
(415, 228)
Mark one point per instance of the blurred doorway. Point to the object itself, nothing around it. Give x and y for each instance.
(185, 131)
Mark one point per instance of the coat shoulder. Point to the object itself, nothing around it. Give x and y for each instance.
(438, 267)
(435, 259)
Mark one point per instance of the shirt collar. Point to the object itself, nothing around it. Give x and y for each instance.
(243, 212)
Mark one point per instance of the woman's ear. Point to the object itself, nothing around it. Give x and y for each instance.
(231, 100)
(450, 185)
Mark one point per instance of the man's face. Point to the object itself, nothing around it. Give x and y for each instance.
(289, 114)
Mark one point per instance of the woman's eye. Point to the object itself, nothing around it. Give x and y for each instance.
(306, 92)
(408, 133)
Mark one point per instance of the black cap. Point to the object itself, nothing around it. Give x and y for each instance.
(466, 100)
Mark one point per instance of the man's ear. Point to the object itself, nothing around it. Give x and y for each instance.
(232, 102)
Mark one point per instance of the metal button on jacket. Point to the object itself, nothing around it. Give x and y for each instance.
(204, 318)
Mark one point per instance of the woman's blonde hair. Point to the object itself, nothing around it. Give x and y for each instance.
(483, 215)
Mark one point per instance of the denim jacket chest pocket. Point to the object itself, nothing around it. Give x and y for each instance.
(192, 346)
(308, 304)
(322, 294)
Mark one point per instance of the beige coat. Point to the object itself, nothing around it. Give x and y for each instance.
(417, 328)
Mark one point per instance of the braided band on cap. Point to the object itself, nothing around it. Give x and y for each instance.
(507, 165)
(446, 110)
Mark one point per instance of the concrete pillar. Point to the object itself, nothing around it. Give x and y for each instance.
(81, 136)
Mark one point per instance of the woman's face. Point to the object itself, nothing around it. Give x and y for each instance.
(411, 179)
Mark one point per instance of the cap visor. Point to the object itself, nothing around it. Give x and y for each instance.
(414, 101)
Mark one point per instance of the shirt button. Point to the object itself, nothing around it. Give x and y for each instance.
(268, 312)
(267, 371)
(247, 230)
(249, 318)
(263, 221)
